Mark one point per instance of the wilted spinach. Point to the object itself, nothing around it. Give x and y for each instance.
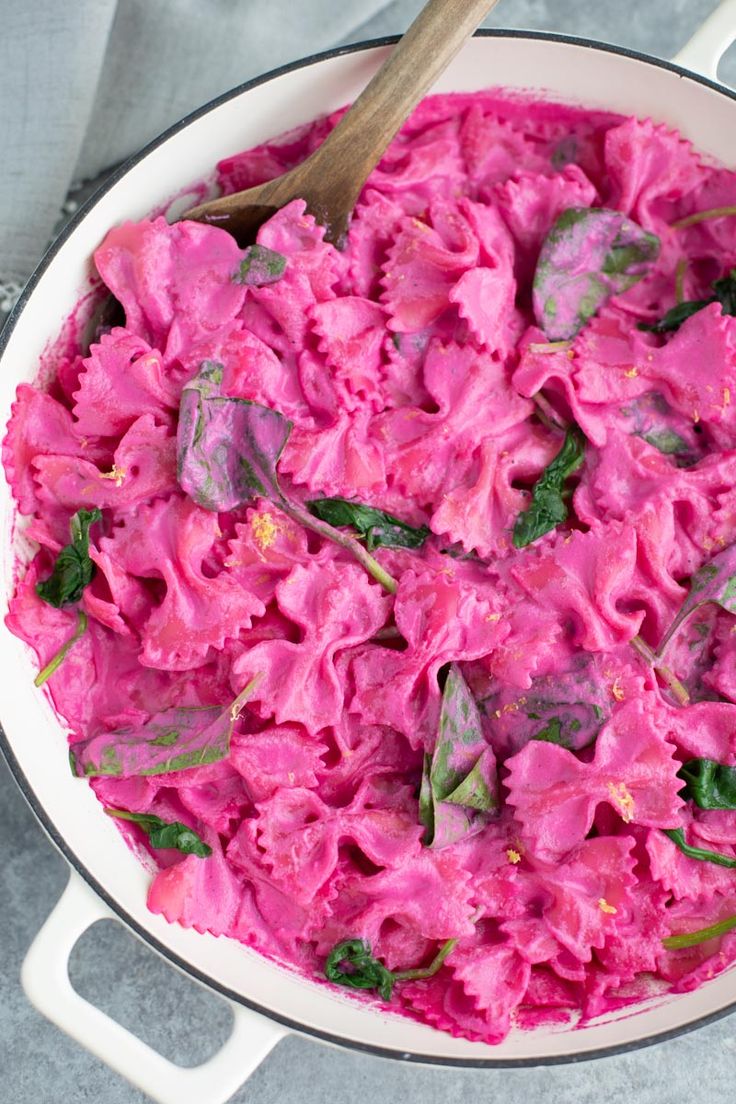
(260, 266)
(548, 508)
(378, 528)
(56, 661)
(161, 833)
(724, 292)
(227, 452)
(174, 740)
(73, 569)
(227, 449)
(677, 835)
(366, 972)
(589, 255)
(714, 582)
(568, 708)
(709, 784)
(460, 781)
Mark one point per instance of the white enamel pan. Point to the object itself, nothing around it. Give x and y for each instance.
(106, 879)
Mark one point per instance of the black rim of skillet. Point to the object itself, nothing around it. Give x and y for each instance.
(45, 820)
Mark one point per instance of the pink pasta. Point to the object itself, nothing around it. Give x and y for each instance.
(538, 511)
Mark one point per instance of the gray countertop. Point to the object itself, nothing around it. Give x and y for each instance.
(112, 969)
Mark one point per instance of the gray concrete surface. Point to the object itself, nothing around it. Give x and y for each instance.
(40, 1065)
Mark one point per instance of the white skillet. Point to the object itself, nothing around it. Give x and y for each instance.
(106, 880)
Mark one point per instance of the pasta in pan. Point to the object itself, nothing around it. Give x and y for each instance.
(387, 591)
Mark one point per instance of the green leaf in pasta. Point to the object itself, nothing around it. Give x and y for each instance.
(378, 528)
(589, 255)
(548, 508)
(709, 784)
(366, 972)
(56, 661)
(227, 453)
(460, 779)
(260, 266)
(227, 449)
(668, 442)
(73, 569)
(174, 740)
(714, 582)
(724, 292)
(674, 317)
(161, 833)
(568, 708)
(677, 835)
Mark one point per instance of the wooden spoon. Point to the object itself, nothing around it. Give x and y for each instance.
(331, 178)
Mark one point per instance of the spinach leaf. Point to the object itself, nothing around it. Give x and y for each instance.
(668, 442)
(227, 452)
(460, 779)
(427, 971)
(687, 644)
(709, 784)
(73, 569)
(675, 316)
(552, 733)
(379, 528)
(677, 835)
(174, 740)
(714, 582)
(548, 508)
(724, 292)
(568, 708)
(227, 449)
(652, 418)
(554, 711)
(260, 266)
(366, 972)
(161, 833)
(691, 939)
(589, 255)
(56, 661)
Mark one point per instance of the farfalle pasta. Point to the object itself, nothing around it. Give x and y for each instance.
(387, 592)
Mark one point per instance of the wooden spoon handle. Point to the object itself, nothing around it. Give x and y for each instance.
(360, 139)
(331, 178)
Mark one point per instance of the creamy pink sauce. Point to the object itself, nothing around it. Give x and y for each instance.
(408, 365)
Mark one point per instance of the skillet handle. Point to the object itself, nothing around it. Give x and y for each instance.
(705, 49)
(45, 978)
